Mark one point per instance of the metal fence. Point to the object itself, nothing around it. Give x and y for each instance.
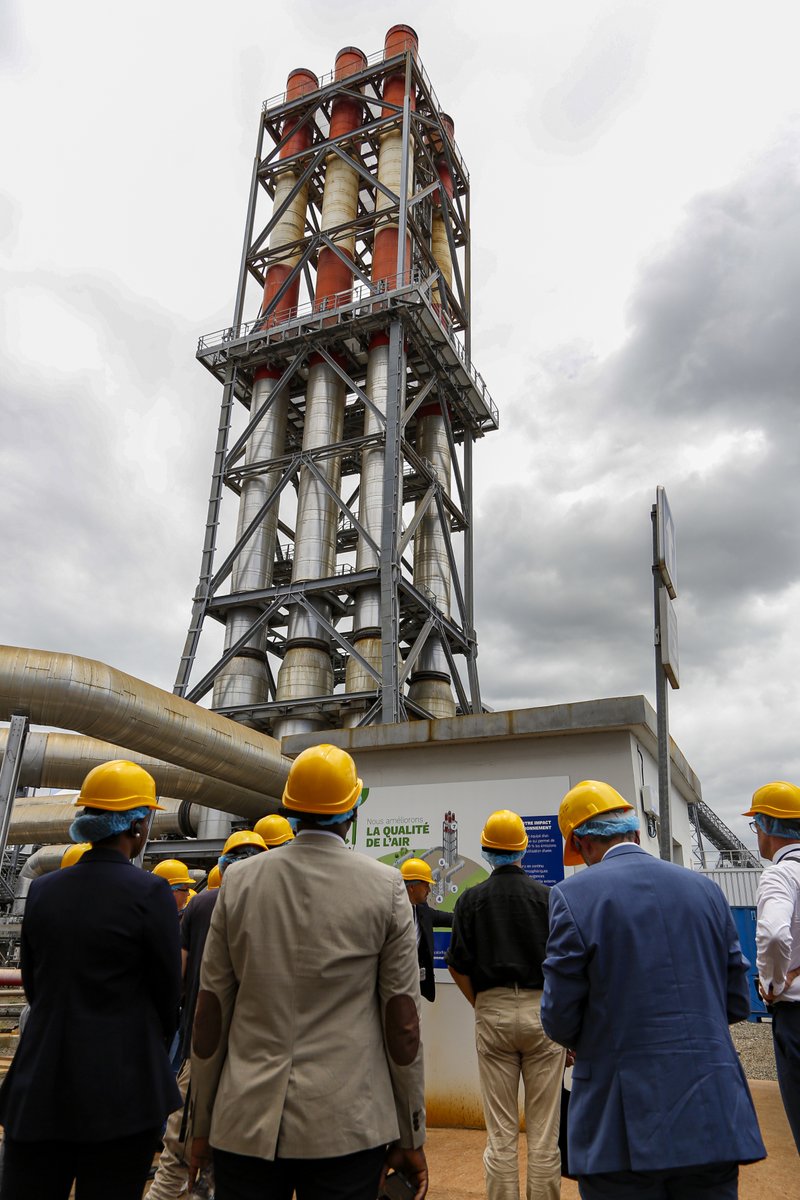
(738, 884)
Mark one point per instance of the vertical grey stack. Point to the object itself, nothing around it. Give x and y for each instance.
(349, 408)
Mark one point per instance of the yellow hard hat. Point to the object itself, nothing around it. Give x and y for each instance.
(504, 830)
(582, 802)
(323, 781)
(117, 786)
(191, 896)
(416, 870)
(778, 799)
(214, 879)
(73, 854)
(244, 837)
(174, 871)
(274, 829)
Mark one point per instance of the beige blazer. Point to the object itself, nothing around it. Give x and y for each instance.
(306, 1038)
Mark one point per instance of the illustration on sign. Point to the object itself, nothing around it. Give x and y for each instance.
(407, 837)
(441, 823)
(411, 837)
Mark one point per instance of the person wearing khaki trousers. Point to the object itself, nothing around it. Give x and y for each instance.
(495, 956)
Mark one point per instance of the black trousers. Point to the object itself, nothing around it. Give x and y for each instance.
(349, 1177)
(99, 1170)
(718, 1180)
(786, 1039)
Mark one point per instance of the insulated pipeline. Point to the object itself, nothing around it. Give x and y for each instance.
(367, 613)
(79, 693)
(430, 684)
(243, 681)
(63, 760)
(306, 669)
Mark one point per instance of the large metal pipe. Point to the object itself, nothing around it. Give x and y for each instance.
(79, 693)
(440, 244)
(306, 669)
(290, 227)
(63, 760)
(340, 196)
(48, 858)
(46, 820)
(243, 681)
(430, 684)
(399, 39)
(41, 862)
(367, 611)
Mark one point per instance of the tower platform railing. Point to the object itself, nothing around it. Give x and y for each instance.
(361, 301)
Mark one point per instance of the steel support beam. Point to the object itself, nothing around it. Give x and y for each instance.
(9, 772)
(391, 704)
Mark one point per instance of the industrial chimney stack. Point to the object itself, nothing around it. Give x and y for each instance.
(349, 409)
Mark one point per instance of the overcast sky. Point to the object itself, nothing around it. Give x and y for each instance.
(636, 268)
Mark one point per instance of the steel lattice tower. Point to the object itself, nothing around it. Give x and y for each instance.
(347, 596)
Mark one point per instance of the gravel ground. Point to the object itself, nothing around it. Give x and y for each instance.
(753, 1042)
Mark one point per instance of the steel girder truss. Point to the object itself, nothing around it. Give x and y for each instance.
(732, 851)
(427, 323)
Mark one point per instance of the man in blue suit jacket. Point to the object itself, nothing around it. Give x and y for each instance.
(643, 974)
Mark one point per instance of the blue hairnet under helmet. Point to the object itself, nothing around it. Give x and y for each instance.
(778, 826)
(97, 825)
(338, 818)
(238, 854)
(610, 825)
(501, 858)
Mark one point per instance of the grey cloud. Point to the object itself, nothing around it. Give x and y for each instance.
(102, 566)
(10, 215)
(14, 48)
(602, 78)
(714, 316)
(701, 397)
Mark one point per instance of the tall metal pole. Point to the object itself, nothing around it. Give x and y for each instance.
(662, 712)
(391, 708)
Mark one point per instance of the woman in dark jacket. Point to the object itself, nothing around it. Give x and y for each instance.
(90, 1084)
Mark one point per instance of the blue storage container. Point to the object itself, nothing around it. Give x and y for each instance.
(745, 920)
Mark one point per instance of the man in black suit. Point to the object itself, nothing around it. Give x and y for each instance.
(90, 1085)
(419, 880)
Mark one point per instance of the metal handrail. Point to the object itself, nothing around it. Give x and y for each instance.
(342, 304)
(337, 303)
(377, 56)
(280, 99)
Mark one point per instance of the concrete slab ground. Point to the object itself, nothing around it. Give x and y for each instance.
(455, 1157)
(456, 1165)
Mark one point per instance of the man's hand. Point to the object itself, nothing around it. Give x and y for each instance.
(200, 1158)
(411, 1163)
(570, 1061)
(769, 997)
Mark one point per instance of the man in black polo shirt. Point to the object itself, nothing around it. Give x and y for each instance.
(496, 952)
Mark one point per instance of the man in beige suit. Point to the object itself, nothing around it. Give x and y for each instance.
(307, 1069)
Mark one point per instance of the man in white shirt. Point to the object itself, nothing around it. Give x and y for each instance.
(776, 808)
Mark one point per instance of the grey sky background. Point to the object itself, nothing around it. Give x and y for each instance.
(636, 264)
